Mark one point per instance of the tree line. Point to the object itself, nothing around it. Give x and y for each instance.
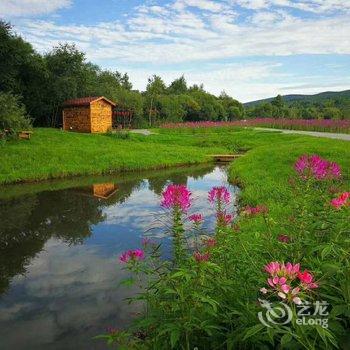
(328, 108)
(35, 85)
(43, 82)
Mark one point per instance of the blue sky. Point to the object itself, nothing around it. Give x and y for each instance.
(250, 48)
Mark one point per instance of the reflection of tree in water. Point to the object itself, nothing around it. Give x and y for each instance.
(28, 222)
(157, 184)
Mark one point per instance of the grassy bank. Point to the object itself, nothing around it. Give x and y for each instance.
(55, 154)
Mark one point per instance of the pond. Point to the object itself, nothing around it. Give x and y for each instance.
(59, 248)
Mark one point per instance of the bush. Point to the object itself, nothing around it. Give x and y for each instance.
(13, 115)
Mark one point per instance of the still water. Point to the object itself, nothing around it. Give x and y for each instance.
(59, 248)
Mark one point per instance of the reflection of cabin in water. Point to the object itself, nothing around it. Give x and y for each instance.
(88, 114)
(103, 191)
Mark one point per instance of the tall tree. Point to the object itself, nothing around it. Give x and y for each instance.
(154, 89)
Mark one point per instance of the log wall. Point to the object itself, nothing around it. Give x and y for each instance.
(77, 119)
(101, 116)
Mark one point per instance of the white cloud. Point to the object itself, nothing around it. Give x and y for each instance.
(316, 6)
(186, 33)
(206, 5)
(159, 42)
(18, 8)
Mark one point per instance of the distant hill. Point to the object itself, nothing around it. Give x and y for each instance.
(307, 98)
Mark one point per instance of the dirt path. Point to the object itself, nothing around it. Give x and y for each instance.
(329, 135)
(142, 132)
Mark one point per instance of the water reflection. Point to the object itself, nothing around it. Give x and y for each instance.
(58, 255)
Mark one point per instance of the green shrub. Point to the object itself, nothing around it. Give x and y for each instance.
(13, 115)
(120, 134)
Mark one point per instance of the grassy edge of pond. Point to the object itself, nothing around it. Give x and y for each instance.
(54, 154)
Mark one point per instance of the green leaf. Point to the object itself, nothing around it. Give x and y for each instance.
(174, 337)
(253, 330)
(127, 282)
(286, 339)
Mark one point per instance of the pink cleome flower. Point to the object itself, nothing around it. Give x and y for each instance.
(306, 278)
(210, 242)
(280, 269)
(224, 218)
(287, 280)
(283, 238)
(201, 257)
(133, 255)
(219, 194)
(176, 196)
(252, 211)
(316, 167)
(196, 218)
(341, 201)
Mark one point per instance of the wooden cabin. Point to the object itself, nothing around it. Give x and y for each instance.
(88, 114)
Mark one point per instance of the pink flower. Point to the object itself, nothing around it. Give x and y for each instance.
(285, 288)
(283, 238)
(210, 242)
(341, 201)
(133, 255)
(201, 257)
(291, 269)
(295, 291)
(306, 278)
(281, 295)
(219, 194)
(297, 301)
(263, 290)
(252, 211)
(316, 167)
(176, 196)
(283, 270)
(196, 218)
(224, 218)
(272, 268)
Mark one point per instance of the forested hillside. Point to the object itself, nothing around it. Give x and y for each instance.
(325, 105)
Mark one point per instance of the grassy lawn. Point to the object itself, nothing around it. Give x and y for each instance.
(54, 154)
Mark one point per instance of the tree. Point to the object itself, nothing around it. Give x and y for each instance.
(69, 77)
(178, 86)
(13, 116)
(22, 71)
(278, 101)
(233, 108)
(154, 89)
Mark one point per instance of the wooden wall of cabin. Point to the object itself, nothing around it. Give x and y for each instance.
(101, 116)
(77, 119)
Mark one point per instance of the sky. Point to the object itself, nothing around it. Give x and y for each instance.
(251, 49)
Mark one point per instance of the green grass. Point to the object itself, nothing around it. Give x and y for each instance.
(55, 154)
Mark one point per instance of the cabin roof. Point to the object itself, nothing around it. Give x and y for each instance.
(86, 101)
